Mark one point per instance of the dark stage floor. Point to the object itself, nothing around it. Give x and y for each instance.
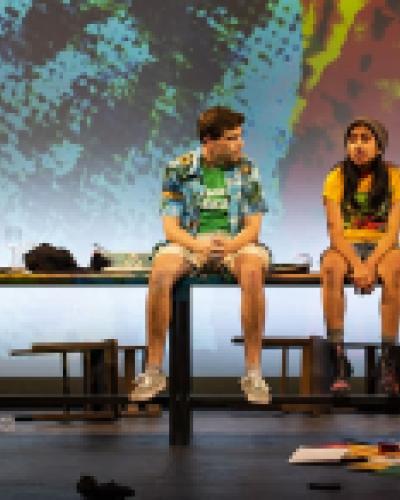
(234, 455)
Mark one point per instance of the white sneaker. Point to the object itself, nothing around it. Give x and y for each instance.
(147, 385)
(255, 389)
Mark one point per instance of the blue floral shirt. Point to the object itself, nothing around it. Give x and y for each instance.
(182, 192)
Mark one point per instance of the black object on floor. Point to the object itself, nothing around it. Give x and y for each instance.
(324, 486)
(90, 489)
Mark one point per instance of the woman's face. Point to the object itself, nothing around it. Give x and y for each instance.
(362, 146)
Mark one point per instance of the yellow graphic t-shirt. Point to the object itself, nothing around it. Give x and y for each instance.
(361, 225)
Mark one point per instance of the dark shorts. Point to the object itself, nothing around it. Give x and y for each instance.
(364, 250)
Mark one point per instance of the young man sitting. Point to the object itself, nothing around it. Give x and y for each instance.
(212, 206)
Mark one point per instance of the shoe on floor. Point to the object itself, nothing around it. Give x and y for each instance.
(340, 386)
(148, 385)
(389, 380)
(256, 389)
(389, 367)
(341, 370)
(390, 385)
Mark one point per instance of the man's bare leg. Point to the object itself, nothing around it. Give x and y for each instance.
(166, 271)
(250, 273)
(252, 310)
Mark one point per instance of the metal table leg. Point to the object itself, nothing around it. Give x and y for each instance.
(180, 366)
(370, 369)
(284, 370)
(65, 380)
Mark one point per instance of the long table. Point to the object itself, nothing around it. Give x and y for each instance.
(181, 402)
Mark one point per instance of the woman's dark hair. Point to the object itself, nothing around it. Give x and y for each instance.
(214, 121)
(380, 180)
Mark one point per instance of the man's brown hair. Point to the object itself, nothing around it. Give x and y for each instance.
(214, 121)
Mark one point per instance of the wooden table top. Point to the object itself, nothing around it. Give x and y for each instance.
(142, 278)
(279, 342)
(104, 279)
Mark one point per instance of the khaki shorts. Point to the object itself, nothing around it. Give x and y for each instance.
(198, 262)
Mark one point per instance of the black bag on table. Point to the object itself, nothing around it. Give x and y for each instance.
(46, 258)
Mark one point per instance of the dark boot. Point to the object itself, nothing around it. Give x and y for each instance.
(389, 367)
(341, 369)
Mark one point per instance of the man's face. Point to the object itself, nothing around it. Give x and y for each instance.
(226, 149)
(362, 147)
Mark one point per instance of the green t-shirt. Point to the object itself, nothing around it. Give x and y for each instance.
(214, 206)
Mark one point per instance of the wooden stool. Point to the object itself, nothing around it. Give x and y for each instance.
(100, 374)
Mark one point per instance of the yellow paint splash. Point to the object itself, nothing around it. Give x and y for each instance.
(390, 88)
(318, 62)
